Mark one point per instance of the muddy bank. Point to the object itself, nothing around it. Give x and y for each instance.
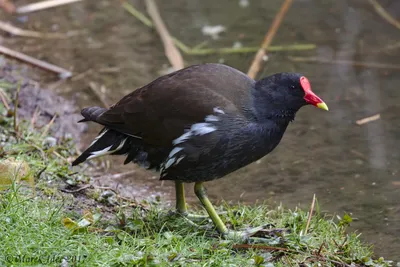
(39, 105)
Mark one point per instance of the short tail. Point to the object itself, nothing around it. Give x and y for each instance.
(92, 113)
(107, 142)
(110, 141)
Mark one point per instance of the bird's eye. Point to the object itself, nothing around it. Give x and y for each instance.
(292, 86)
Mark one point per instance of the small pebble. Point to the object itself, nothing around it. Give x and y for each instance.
(49, 141)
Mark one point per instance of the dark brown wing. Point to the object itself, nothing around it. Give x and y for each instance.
(160, 111)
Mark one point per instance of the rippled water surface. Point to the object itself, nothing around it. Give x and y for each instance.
(351, 168)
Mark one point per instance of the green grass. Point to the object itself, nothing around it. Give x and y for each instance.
(32, 230)
(42, 226)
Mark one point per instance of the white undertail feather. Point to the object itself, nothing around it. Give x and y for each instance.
(99, 153)
(98, 137)
(106, 151)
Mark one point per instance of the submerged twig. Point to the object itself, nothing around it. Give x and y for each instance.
(43, 5)
(256, 64)
(242, 50)
(137, 14)
(368, 119)
(384, 14)
(81, 75)
(172, 53)
(97, 92)
(310, 214)
(198, 50)
(345, 62)
(63, 73)
(7, 27)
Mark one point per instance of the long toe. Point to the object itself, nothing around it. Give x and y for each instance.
(246, 235)
(198, 217)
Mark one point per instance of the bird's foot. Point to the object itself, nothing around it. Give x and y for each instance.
(246, 235)
(192, 216)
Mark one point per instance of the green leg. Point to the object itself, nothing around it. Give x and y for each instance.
(180, 198)
(181, 207)
(201, 193)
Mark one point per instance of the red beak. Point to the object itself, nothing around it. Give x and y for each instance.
(310, 97)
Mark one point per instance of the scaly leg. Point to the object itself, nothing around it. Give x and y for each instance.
(180, 198)
(201, 193)
(181, 207)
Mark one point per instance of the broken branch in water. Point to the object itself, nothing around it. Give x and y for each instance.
(7, 27)
(384, 14)
(368, 119)
(256, 64)
(63, 73)
(137, 14)
(171, 51)
(242, 50)
(197, 51)
(43, 5)
(345, 62)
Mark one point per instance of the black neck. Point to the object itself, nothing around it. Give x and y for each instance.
(265, 108)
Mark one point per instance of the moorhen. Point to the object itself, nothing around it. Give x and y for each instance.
(199, 124)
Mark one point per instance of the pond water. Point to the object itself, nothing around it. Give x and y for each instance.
(351, 168)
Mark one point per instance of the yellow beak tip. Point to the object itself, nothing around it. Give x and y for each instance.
(323, 106)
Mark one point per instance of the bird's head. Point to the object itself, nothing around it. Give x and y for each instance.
(283, 94)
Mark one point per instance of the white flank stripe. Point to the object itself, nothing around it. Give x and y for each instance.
(182, 138)
(179, 160)
(202, 128)
(218, 110)
(174, 151)
(211, 118)
(169, 163)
